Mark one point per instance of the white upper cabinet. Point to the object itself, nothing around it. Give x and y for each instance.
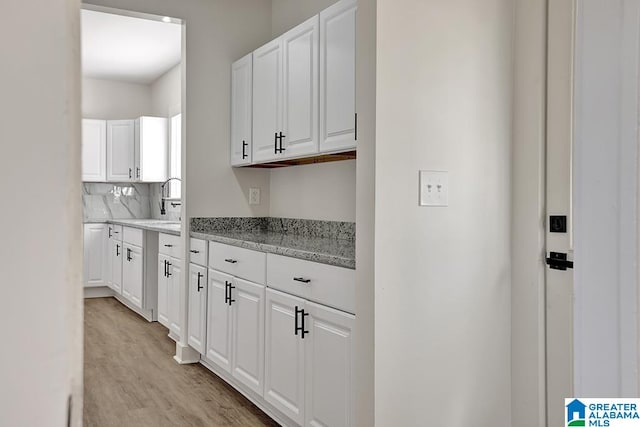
(304, 92)
(300, 90)
(94, 150)
(151, 149)
(338, 76)
(267, 101)
(241, 110)
(120, 150)
(136, 150)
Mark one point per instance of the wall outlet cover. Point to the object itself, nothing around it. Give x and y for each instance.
(254, 196)
(434, 188)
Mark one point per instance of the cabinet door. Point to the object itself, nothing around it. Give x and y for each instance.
(248, 334)
(94, 150)
(241, 106)
(132, 274)
(116, 265)
(300, 89)
(175, 296)
(338, 76)
(329, 398)
(218, 320)
(197, 307)
(120, 150)
(163, 290)
(267, 100)
(108, 257)
(151, 149)
(94, 254)
(284, 355)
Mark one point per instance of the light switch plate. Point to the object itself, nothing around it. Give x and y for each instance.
(434, 188)
(254, 196)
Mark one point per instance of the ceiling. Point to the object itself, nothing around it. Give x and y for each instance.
(123, 48)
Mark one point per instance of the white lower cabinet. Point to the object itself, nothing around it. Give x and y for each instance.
(247, 333)
(329, 389)
(309, 361)
(284, 343)
(169, 289)
(94, 255)
(219, 319)
(132, 274)
(197, 307)
(174, 296)
(235, 328)
(284, 355)
(163, 286)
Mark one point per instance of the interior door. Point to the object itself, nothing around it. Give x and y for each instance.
(559, 282)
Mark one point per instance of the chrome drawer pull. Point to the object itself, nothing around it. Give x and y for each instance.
(302, 279)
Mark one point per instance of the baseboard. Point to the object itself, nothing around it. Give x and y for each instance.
(98, 292)
(185, 355)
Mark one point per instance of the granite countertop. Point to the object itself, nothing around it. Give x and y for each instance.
(159, 225)
(309, 240)
(325, 242)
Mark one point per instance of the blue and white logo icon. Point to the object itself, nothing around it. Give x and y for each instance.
(576, 413)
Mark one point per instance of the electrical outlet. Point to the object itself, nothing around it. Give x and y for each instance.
(434, 188)
(254, 196)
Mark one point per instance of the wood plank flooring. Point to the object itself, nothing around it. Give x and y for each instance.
(131, 379)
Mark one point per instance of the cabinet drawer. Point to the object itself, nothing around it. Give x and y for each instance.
(116, 232)
(198, 251)
(239, 262)
(168, 244)
(133, 236)
(321, 283)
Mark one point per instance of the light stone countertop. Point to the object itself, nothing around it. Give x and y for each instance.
(159, 225)
(336, 252)
(324, 250)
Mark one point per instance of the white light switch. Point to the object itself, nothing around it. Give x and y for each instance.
(254, 196)
(434, 188)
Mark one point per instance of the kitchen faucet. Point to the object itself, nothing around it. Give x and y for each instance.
(163, 211)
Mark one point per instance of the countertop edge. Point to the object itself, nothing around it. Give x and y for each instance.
(333, 260)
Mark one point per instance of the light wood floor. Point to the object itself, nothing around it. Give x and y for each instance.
(131, 379)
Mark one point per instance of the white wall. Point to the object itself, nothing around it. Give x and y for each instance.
(286, 14)
(214, 39)
(166, 93)
(442, 275)
(527, 223)
(323, 191)
(605, 199)
(41, 254)
(112, 100)
(365, 212)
